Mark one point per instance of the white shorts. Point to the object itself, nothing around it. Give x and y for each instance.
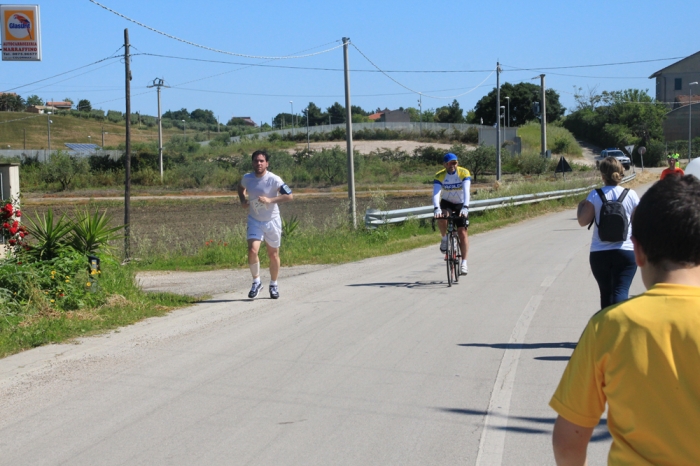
(270, 232)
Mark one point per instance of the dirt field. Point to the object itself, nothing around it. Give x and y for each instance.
(196, 220)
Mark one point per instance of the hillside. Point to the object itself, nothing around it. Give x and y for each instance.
(66, 128)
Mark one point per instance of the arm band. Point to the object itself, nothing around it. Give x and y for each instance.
(436, 195)
(465, 191)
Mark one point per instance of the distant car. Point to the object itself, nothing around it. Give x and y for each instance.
(618, 154)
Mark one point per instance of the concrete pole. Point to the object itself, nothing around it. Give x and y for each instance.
(348, 135)
(498, 121)
(160, 138)
(127, 156)
(543, 111)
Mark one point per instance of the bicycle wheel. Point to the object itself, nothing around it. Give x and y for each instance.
(448, 259)
(455, 259)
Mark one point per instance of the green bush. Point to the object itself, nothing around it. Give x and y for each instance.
(531, 164)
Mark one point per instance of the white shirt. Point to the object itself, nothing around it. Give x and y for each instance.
(267, 185)
(629, 203)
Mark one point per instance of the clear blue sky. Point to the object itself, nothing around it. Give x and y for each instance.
(395, 35)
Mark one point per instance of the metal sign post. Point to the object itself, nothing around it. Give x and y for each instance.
(641, 151)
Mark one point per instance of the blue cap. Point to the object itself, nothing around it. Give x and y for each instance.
(449, 157)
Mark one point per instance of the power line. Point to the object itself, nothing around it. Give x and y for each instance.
(61, 74)
(170, 36)
(20, 119)
(514, 68)
(413, 90)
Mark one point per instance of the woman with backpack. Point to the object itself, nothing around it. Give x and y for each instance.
(609, 209)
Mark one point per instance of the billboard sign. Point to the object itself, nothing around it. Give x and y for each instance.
(21, 33)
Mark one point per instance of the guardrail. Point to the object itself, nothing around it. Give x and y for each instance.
(375, 218)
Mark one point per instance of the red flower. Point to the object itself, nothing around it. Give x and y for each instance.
(12, 242)
(13, 231)
(15, 224)
(19, 263)
(21, 234)
(18, 213)
(8, 208)
(6, 226)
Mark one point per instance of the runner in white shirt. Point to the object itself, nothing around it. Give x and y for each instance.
(265, 190)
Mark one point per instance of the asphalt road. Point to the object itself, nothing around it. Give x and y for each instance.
(370, 363)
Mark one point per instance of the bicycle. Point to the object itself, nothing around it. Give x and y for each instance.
(453, 256)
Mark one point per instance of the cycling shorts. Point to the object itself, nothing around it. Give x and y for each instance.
(447, 207)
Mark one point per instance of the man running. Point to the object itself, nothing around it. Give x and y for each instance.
(674, 167)
(265, 190)
(451, 194)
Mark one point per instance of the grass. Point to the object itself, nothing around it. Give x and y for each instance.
(66, 128)
(559, 140)
(333, 244)
(40, 323)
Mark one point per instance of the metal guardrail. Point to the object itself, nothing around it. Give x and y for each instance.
(375, 218)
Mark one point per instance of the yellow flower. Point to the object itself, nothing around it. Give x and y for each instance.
(67, 281)
(46, 292)
(67, 276)
(93, 272)
(53, 271)
(53, 301)
(88, 284)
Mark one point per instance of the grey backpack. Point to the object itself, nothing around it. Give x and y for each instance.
(613, 224)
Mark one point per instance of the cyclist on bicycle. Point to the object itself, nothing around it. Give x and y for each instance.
(451, 194)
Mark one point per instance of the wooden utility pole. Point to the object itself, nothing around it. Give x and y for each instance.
(543, 119)
(127, 156)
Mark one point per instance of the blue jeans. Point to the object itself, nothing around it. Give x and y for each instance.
(614, 271)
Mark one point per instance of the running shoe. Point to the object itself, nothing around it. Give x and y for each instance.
(274, 292)
(464, 269)
(443, 244)
(255, 290)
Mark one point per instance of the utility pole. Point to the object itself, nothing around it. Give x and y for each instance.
(158, 83)
(498, 121)
(420, 114)
(348, 134)
(543, 111)
(127, 156)
(24, 147)
(308, 144)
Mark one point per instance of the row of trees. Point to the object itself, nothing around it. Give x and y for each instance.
(517, 98)
(10, 102)
(618, 119)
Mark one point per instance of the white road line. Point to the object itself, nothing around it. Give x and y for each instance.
(493, 435)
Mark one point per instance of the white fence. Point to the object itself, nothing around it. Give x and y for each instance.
(43, 155)
(375, 218)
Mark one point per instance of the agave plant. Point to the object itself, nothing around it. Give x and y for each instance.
(91, 232)
(50, 237)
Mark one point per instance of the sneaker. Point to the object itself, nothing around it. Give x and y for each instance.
(274, 292)
(443, 244)
(255, 290)
(464, 269)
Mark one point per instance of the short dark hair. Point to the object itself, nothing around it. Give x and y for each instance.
(260, 152)
(666, 223)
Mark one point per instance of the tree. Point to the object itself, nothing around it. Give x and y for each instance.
(357, 110)
(181, 114)
(84, 105)
(315, 116)
(477, 161)
(450, 113)
(10, 102)
(413, 113)
(68, 99)
(282, 120)
(34, 100)
(63, 168)
(522, 96)
(203, 116)
(337, 113)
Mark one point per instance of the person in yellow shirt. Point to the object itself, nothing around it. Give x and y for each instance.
(641, 357)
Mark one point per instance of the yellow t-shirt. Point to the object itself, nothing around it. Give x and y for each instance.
(642, 358)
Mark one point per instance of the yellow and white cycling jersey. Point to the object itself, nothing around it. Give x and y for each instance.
(452, 186)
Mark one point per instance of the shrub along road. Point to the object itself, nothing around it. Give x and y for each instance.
(372, 362)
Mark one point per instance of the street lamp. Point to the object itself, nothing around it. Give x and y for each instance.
(308, 144)
(690, 115)
(292, 103)
(89, 139)
(503, 115)
(508, 121)
(103, 137)
(184, 135)
(48, 128)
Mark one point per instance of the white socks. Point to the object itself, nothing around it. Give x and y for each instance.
(273, 282)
